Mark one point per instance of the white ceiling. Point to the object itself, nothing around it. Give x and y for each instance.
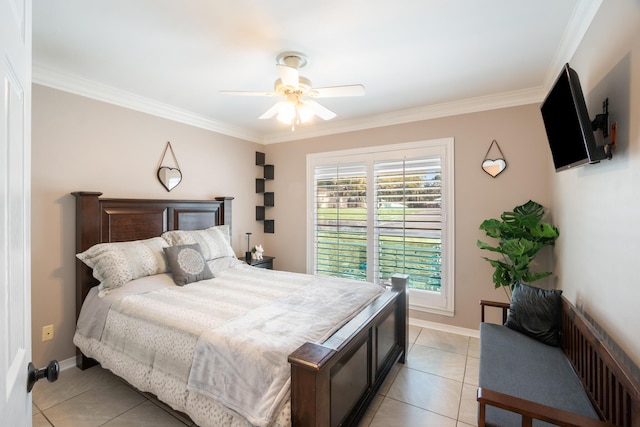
(417, 59)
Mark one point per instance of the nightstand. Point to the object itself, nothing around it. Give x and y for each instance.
(265, 262)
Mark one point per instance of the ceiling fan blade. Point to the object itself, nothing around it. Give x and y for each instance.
(271, 111)
(323, 112)
(288, 75)
(336, 91)
(246, 93)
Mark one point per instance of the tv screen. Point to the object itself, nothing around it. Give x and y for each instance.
(567, 123)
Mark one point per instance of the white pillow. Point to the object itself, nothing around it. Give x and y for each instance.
(225, 230)
(115, 264)
(219, 265)
(214, 241)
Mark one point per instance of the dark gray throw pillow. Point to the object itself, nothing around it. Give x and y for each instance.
(187, 264)
(535, 312)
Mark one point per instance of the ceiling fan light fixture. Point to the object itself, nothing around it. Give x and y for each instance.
(304, 113)
(298, 107)
(294, 113)
(286, 113)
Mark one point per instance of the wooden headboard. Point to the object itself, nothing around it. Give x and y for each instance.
(102, 220)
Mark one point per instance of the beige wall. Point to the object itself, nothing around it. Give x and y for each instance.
(82, 144)
(597, 207)
(478, 196)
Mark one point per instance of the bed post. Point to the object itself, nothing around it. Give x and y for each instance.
(87, 235)
(225, 214)
(400, 283)
(310, 383)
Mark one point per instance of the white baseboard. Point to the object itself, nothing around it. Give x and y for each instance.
(67, 363)
(445, 328)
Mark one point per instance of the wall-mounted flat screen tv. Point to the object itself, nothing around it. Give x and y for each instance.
(567, 123)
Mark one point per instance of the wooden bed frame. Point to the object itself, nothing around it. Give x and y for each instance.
(331, 384)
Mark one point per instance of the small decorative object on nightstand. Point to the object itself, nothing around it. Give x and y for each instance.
(265, 262)
(257, 252)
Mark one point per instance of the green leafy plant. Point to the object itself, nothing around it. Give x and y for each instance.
(521, 234)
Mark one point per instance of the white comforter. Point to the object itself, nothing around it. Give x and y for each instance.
(224, 340)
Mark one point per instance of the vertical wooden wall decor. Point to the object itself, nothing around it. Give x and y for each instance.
(269, 197)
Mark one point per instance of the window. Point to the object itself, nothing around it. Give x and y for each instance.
(382, 210)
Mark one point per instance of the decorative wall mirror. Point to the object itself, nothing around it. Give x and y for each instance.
(169, 177)
(496, 165)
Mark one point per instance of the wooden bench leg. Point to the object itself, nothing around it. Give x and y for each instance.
(481, 414)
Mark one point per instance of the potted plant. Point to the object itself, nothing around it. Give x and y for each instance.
(521, 234)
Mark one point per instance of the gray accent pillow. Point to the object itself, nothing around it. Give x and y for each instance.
(535, 312)
(187, 264)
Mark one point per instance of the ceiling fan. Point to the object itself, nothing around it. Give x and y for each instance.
(297, 106)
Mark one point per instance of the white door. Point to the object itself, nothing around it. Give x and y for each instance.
(15, 195)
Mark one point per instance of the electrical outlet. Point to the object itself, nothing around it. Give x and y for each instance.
(47, 333)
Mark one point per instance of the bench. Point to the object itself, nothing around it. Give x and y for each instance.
(581, 383)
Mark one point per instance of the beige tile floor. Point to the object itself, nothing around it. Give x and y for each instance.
(436, 387)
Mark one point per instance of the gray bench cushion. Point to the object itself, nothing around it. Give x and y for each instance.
(517, 365)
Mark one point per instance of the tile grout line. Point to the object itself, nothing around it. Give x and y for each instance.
(464, 374)
(119, 415)
(420, 408)
(46, 418)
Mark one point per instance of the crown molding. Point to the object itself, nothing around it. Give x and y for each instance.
(76, 85)
(447, 109)
(82, 87)
(73, 84)
(581, 18)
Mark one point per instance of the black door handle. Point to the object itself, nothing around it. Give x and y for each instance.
(50, 372)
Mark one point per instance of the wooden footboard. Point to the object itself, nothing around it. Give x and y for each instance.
(332, 384)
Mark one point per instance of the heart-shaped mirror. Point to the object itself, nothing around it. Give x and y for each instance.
(494, 167)
(169, 177)
(498, 164)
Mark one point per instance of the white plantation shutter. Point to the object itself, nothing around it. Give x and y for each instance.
(408, 220)
(383, 210)
(341, 220)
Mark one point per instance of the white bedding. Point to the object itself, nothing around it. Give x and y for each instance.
(184, 343)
